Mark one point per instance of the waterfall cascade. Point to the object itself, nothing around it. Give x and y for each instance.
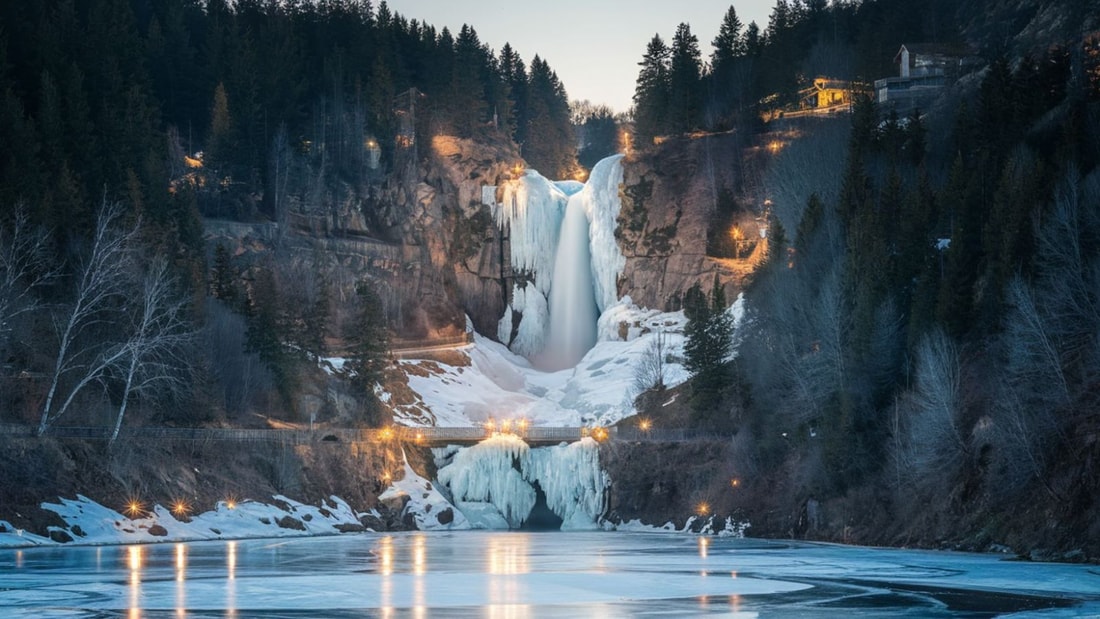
(572, 298)
(563, 238)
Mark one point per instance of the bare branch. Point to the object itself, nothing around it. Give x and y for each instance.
(25, 265)
(101, 279)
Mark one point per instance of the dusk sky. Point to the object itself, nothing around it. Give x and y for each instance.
(593, 45)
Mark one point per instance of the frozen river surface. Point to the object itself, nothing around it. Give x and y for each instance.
(518, 575)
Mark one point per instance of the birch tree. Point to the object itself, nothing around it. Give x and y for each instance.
(152, 357)
(101, 281)
(25, 265)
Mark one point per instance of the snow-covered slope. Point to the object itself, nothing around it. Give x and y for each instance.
(498, 384)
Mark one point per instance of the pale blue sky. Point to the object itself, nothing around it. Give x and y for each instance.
(594, 45)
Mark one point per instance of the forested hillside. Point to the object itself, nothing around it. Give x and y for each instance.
(124, 124)
(920, 354)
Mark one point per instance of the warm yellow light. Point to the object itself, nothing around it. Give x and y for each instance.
(134, 508)
(517, 169)
(386, 433)
(231, 504)
(419, 437)
(645, 425)
(386, 476)
(735, 482)
(702, 509)
(180, 507)
(775, 146)
(522, 423)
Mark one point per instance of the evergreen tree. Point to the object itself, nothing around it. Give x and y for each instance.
(685, 71)
(514, 74)
(368, 343)
(709, 342)
(651, 93)
(549, 145)
(466, 100)
(728, 43)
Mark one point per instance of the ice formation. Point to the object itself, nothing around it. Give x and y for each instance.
(488, 473)
(533, 210)
(601, 201)
(492, 482)
(573, 481)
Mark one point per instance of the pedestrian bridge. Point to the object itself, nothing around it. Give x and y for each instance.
(427, 436)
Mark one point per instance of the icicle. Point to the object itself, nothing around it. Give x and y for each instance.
(501, 470)
(485, 473)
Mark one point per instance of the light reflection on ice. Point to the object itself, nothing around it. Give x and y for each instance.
(521, 574)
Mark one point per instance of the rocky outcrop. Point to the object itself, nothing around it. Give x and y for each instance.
(669, 201)
(421, 235)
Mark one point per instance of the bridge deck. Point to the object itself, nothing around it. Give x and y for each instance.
(422, 436)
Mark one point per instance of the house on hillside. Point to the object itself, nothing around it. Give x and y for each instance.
(825, 92)
(923, 71)
(825, 95)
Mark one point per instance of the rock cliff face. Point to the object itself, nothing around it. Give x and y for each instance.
(420, 235)
(669, 200)
(424, 236)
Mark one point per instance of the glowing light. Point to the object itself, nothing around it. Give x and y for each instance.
(522, 423)
(517, 169)
(387, 476)
(702, 509)
(419, 437)
(704, 545)
(645, 425)
(386, 433)
(180, 507)
(735, 482)
(230, 503)
(134, 508)
(598, 433)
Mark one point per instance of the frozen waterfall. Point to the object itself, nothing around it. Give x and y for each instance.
(566, 259)
(493, 482)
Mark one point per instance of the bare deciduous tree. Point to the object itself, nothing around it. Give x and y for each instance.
(935, 440)
(101, 279)
(649, 374)
(24, 266)
(153, 355)
(1033, 355)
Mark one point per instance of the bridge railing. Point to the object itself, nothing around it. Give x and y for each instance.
(419, 435)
